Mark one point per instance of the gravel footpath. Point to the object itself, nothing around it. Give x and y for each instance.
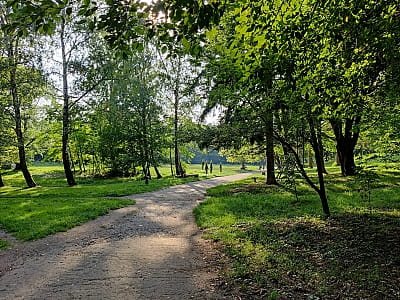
(151, 250)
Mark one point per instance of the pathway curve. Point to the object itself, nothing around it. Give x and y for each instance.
(151, 250)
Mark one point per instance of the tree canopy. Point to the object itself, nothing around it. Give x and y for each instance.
(288, 77)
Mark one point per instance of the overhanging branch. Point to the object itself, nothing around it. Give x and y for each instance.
(88, 91)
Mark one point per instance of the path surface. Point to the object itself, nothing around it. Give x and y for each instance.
(151, 250)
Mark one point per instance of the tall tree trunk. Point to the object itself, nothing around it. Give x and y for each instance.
(146, 178)
(79, 162)
(82, 161)
(66, 117)
(145, 142)
(72, 161)
(310, 161)
(171, 163)
(346, 158)
(271, 180)
(303, 146)
(1, 181)
(321, 146)
(315, 142)
(148, 171)
(346, 140)
(337, 158)
(17, 115)
(178, 169)
(145, 154)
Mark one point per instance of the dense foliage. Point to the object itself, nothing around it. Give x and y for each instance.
(290, 78)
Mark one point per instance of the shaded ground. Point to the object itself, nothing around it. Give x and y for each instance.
(347, 257)
(278, 248)
(151, 250)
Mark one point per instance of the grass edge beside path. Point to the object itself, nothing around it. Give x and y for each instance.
(4, 244)
(32, 218)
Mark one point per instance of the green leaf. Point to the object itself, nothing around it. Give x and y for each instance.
(186, 44)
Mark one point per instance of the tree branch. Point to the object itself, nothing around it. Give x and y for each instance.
(72, 104)
(298, 161)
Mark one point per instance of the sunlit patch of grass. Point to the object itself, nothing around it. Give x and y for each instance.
(30, 219)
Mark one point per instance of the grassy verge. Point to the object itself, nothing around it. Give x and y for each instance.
(280, 247)
(4, 244)
(51, 207)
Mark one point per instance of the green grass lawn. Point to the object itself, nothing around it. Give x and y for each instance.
(3, 244)
(53, 206)
(281, 247)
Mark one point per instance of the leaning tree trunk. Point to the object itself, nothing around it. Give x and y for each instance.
(18, 120)
(66, 116)
(321, 193)
(319, 160)
(159, 176)
(346, 141)
(270, 149)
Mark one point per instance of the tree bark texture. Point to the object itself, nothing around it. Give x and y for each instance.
(319, 161)
(145, 144)
(66, 115)
(159, 176)
(299, 164)
(1, 181)
(17, 115)
(310, 161)
(145, 172)
(321, 146)
(171, 163)
(346, 135)
(321, 194)
(337, 158)
(178, 168)
(270, 156)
